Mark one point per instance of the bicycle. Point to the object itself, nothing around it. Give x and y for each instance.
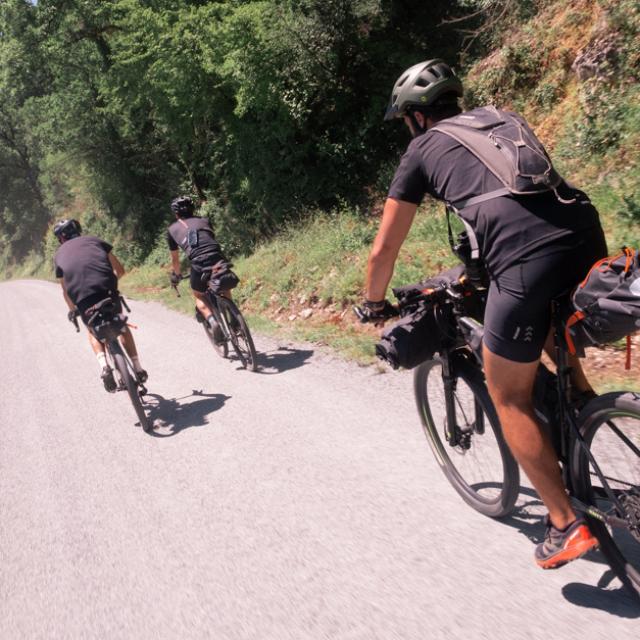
(597, 442)
(106, 324)
(235, 330)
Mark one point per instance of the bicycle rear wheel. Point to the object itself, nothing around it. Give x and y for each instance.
(131, 384)
(610, 426)
(478, 465)
(220, 347)
(239, 333)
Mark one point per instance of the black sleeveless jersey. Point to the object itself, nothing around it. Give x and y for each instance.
(194, 236)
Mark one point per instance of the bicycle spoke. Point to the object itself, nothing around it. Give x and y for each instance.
(612, 479)
(622, 437)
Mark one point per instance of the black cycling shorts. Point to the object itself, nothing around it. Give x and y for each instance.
(196, 280)
(518, 312)
(87, 303)
(202, 265)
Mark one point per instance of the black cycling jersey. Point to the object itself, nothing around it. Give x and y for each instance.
(535, 247)
(195, 236)
(83, 264)
(509, 228)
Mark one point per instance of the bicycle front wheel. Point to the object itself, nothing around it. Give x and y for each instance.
(607, 483)
(472, 452)
(131, 385)
(239, 333)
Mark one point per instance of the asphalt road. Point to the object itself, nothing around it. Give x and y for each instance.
(299, 502)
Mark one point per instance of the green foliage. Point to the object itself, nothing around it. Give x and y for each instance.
(515, 74)
(624, 20)
(322, 259)
(628, 215)
(262, 108)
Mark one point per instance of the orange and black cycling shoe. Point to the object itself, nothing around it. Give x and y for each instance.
(562, 546)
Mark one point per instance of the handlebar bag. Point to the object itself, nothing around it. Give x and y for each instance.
(417, 335)
(411, 340)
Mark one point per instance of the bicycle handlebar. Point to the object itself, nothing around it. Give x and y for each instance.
(72, 316)
(174, 285)
(365, 315)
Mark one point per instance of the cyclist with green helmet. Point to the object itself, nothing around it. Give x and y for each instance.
(534, 248)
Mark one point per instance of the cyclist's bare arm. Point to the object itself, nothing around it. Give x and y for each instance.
(175, 261)
(397, 219)
(116, 265)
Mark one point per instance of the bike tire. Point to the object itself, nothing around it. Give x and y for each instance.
(240, 336)
(131, 385)
(221, 348)
(610, 428)
(495, 495)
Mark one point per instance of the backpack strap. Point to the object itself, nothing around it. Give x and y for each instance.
(471, 234)
(498, 193)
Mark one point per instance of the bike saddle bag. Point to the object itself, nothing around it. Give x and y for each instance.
(221, 277)
(104, 320)
(605, 306)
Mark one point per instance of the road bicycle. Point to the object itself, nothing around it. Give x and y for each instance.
(107, 325)
(597, 441)
(234, 328)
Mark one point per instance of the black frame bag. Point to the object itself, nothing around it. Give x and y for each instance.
(606, 304)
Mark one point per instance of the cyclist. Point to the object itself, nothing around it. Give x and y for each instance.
(534, 247)
(88, 272)
(195, 236)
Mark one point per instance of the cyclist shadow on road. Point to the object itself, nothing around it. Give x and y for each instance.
(172, 415)
(282, 359)
(527, 519)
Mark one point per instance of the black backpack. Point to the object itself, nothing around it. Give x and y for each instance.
(606, 304)
(506, 145)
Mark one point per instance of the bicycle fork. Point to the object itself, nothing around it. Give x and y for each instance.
(454, 433)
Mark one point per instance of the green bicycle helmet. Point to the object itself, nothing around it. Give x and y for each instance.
(421, 86)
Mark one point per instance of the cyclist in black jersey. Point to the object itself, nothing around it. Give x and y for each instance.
(195, 237)
(88, 272)
(534, 248)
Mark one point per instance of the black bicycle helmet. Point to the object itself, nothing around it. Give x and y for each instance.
(421, 86)
(182, 206)
(67, 229)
